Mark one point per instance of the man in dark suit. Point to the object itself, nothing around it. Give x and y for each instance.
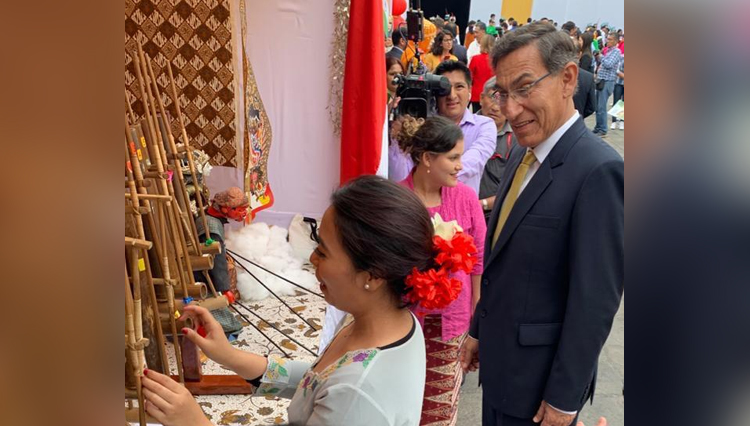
(399, 43)
(458, 49)
(553, 270)
(585, 98)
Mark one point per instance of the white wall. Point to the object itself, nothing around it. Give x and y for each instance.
(481, 10)
(581, 12)
(289, 45)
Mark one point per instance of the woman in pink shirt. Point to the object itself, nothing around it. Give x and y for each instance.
(435, 145)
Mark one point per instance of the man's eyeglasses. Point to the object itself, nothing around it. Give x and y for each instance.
(518, 95)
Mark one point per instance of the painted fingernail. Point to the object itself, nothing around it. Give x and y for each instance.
(185, 331)
(145, 371)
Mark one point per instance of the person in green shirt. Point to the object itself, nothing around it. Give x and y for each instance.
(491, 29)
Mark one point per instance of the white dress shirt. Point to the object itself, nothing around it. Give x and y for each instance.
(542, 150)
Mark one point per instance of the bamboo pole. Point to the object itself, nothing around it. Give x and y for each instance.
(137, 309)
(170, 218)
(151, 197)
(191, 161)
(135, 357)
(135, 276)
(137, 242)
(130, 108)
(160, 164)
(133, 175)
(176, 163)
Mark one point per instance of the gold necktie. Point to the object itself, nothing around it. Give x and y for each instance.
(515, 188)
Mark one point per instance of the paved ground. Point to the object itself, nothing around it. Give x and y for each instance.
(608, 401)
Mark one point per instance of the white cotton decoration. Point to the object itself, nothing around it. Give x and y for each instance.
(268, 247)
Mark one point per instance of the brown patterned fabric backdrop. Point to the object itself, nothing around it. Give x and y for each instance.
(195, 37)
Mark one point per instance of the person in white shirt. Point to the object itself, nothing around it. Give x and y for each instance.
(373, 372)
(480, 29)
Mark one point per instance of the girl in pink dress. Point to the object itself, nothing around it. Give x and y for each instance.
(436, 145)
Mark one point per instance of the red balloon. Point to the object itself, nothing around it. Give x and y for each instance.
(398, 7)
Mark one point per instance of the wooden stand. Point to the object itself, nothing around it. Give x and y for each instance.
(220, 385)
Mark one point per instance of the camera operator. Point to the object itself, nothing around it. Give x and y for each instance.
(480, 133)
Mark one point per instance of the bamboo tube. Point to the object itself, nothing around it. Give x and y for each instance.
(210, 283)
(129, 369)
(176, 161)
(202, 263)
(169, 289)
(197, 291)
(135, 274)
(145, 183)
(135, 359)
(137, 171)
(152, 197)
(211, 303)
(214, 248)
(159, 160)
(137, 242)
(181, 192)
(191, 162)
(130, 108)
(132, 174)
(165, 319)
(136, 131)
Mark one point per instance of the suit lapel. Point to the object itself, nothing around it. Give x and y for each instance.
(536, 187)
(502, 191)
(541, 180)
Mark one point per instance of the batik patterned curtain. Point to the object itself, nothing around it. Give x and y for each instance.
(194, 37)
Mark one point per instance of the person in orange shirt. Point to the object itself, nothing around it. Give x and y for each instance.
(442, 50)
(407, 58)
(469, 37)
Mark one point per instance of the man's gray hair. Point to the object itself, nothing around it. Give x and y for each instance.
(489, 85)
(555, 47)
(481, 25)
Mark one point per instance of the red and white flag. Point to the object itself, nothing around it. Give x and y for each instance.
(364, 143)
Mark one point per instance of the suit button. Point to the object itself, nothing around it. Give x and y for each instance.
(484, 313)
(485, 282)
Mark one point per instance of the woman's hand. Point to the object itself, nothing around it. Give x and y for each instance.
(393, 104)
(215, 344)
(169, 402)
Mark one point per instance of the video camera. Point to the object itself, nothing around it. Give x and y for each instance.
(419, 92)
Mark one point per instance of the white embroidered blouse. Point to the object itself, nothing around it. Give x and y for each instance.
(374, 387)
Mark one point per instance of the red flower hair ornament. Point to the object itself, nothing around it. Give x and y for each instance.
(434, 288)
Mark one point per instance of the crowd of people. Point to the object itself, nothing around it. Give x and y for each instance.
(496, 244)
(601, 53)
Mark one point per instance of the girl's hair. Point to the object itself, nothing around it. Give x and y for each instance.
(437, 45)
(485, 46)
(586, 39)
(385, 229)
(435, 134)
(391, 61)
